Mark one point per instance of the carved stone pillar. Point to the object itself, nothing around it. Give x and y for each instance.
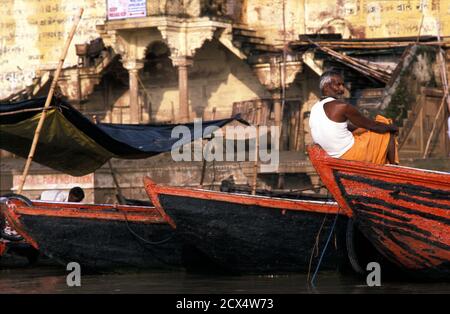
(183, 36)
(133, 67)
(182, 63)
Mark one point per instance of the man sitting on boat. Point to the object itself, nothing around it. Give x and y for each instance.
(75, 195)
(363, 140)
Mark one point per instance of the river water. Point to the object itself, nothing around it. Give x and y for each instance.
(52, 279)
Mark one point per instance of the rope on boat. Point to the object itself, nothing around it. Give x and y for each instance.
(141, 238)
(325, 248)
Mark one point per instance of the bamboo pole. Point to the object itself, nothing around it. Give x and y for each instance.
(441, 106)
(116, 183)
(148, 95)
(355, 64)
(48, 101)
(202, 177)
(120, 196)
(365, 45)
(282, 134)
(283, 78)
(20, 111)
(443, 68)
(421, 20)
(255, 165)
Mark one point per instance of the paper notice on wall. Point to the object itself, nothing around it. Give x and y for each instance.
(123, 9)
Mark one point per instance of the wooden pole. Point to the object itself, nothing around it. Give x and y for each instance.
(202, 177)
(255, 165)
(441, 106)
(443, 68)
(355, 64)
(120, 196)
(283, 74)
(421, 23)
(116, 182)
(48, 101)
(148, 95)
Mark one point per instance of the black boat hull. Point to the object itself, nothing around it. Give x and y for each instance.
(105, 244)
(255, 239)
(98, 237)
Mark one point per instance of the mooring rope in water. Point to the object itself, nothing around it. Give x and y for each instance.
(138, 237)
(324, 249)
(315, 247)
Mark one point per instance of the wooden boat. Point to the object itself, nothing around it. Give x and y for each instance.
(253, 234)
(16, 253)
(404, 212)
(98, 237)
(14, 250)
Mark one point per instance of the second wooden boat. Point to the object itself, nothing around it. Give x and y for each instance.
(254, 234)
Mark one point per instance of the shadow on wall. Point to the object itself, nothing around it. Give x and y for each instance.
(217, 79)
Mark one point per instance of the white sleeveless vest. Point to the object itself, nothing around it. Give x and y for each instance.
(334, 137)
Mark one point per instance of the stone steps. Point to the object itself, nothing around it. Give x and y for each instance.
(247, 40)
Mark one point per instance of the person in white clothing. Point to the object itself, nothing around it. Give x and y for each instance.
(343, 132)
(75, 195)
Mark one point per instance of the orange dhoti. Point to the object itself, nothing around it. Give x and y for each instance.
(370, 146)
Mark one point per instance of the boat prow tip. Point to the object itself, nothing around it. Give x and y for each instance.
(148, 181)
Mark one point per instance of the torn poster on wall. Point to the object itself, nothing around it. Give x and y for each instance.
(122, 9)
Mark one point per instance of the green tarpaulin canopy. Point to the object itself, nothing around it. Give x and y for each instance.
(71, 143)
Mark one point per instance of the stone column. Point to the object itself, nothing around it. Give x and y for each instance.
(133, 68)
(182, 63)
(76, 83)
(276, 97)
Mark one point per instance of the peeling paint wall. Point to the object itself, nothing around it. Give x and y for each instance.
(351, 18)
(33, 32)
(32, 36)
(266, 16)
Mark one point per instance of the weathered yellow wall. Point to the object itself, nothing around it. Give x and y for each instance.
(352, 18)
(32, 35)
(266, 16)
(33, 32)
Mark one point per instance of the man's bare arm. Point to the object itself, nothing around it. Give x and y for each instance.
(357, 119)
